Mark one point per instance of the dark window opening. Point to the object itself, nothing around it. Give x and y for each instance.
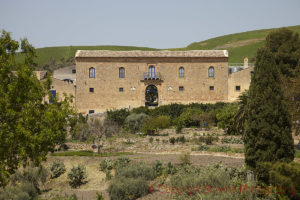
(121, 89)
(211, 88)
(237, 88)
(91, 89)
(121, 72)
(73, 71)
(181, 88)
(92, 72)
(211, 72)
(91, 111)
(181, 72)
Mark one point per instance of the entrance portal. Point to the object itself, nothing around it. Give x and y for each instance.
(151, 96)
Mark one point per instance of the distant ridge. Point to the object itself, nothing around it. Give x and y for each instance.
(239, 45)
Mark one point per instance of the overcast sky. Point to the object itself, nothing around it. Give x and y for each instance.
(151, 23)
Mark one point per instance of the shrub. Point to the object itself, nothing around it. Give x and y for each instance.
(118, 116)
(106, 164)
(23, 191)
(150, 139)
(172, 140)
(232, 140)
(77, 176)
(121, 162)
(155, 123)
(157, 140)
(181, 139)
(35, 176)
(57, 168)
(99, 196)
(136, 170)
(225, 118)
(202, 148)
(108, 175)
(158, 168)
(208, 140)
(185, 159)
(281, 175)
(134, 122)
(220, 149)
(127, 188)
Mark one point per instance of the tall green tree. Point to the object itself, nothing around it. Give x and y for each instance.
(29, 126)
(267, 135)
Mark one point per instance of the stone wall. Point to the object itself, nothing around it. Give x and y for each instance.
(106, 83)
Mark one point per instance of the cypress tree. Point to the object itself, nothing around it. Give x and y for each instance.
(268, 136)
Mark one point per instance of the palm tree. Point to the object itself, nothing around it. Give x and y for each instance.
(240, 118)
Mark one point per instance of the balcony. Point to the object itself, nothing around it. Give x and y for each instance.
(151, 76)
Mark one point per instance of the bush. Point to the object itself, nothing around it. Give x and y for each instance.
(185, 159)
(172, 140)
(134, 122)
(77, 176)
(181, 139)
(158, 168)
(281, 175)
(232, 140)
(121, 162)
(57, 168)
(150, 139)
(127, 188)
(136, 170)
(155, 123)
(225, 118)
(23, 191)
(35, 176)
(118, 116)
(202, 148)
(106, 164)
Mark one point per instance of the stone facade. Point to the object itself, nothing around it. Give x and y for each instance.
(108, 91)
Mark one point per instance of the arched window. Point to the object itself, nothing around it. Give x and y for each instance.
(151, 71)
(181, 72)
(121, 72)
(92, 72)
(211, 72)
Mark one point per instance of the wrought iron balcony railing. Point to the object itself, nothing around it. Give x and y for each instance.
(151, 76)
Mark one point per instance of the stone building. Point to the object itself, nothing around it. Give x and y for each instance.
(126, 79)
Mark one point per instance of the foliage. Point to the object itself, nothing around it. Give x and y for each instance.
(285, 175)
(185, 159)
(130, 181)
(201, 148)
(155, 123)
(267, 134)
(23, 191)
(77, 176)
(57, 168)
(172, 140)
(240, 117)
(121, 162)
(35, 176)
(106, 165)
(231, 140)
(225, 118)
(150, 139)
(158, 168)
(127, 188)
(118, 116)
(134, 122)
(90, 153)
(189, 117)
(30, 127)
(208, 139)
(99, 196)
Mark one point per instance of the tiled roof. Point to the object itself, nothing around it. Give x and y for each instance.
(133, 54)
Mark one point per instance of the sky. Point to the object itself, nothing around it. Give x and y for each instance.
(147, 23)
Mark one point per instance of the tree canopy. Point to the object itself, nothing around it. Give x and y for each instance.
(30, 127)
(267, 134)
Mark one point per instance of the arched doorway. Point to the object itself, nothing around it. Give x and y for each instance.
(151, 96)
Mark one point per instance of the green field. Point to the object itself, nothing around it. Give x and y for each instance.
(239, 45)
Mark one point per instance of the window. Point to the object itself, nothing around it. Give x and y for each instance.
(237, 88)
(151, 71)
(121, 72)
(91, 89)
(92, 72)
(211, 88)
(91, 111)
(181, 72)
(181, 88)
(121, 89)
(211, 72)
(73, 71)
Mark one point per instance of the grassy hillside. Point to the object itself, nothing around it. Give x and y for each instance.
(239, 45)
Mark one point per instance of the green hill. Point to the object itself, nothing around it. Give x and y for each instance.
(239, 45)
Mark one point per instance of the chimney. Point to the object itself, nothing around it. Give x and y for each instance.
(245, 63)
